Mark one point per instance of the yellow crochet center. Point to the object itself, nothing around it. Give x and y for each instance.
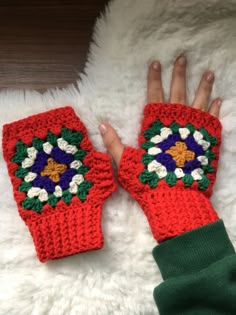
(180, 153)
(53, 170)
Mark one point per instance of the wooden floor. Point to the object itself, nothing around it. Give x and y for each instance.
(44, 43)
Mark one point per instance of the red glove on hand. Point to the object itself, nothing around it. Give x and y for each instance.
(60, 182)
(172, 174)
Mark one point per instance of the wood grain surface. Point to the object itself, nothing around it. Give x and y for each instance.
(44, 43)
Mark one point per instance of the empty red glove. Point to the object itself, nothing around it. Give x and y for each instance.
(60, 182)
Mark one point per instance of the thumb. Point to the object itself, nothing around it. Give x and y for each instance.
(112, 142)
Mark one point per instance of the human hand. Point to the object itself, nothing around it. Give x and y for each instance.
(177, 95)
(172, 174)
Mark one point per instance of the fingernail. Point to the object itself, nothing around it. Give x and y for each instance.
(210, 76)
(103, 129)
(181, 60)
(156, 65)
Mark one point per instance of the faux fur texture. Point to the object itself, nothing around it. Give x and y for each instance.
(120, 278)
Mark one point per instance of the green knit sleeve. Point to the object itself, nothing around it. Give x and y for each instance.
(199, 273)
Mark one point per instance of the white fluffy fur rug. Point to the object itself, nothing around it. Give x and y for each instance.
(120, 278)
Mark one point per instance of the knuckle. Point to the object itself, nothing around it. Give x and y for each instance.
(179, 71)
(206, 87)
(178, 99)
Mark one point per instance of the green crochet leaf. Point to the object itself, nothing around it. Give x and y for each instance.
(147, 145)
(21, 152)
(21, 172)
(203, 183)
(24, 187)
(38, 206)
(205, 133)
(66, 197)
(38, 143)
(83, 190)
(52, 200)
(51, 138)
(174, 126)
(210, 155)
(147, 158)
(150, 178)
(208, 168)
(82, 169)
(213, 141)
(85, 185)
(153, 130)
(80, 154)
(32, 204)
(28, 203)
(171, 179)
(187, 180)
(190, 127)
(72, 137)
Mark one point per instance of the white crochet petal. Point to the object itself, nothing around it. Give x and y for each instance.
(62, 144)
(165, 132)
(156, 139)
(197, 136)
(203, 159)
(30, 177)
(161, 171)
(73, 188)
(78, 179)
(76, 164)
(33, 192)
(179, 173)
(205, 144)
(32, 153)
(58, 191)
(184, 133)
(71, 149)
(197, 173)
(154, 151)
(47, 147)
(65, 146)
(28, 162)
(152, 166)
(43, 195)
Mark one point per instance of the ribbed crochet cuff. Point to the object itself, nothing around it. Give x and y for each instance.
(176, 210)
(193, 251)
(68, 231)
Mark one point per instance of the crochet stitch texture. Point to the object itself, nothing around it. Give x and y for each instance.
(172, 174)
(60, 182)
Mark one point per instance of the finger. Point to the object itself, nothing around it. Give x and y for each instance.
(178, 82)
(203, 94)
(111, 141)
(154, 86)
(215, 107)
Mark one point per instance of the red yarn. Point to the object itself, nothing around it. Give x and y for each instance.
(64, 229)
(171, 211)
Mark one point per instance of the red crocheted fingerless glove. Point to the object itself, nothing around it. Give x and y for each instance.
(60, 182)
(172, 174)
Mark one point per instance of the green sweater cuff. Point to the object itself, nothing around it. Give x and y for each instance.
(192, 251)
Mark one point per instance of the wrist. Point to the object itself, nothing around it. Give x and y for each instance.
(172, 211)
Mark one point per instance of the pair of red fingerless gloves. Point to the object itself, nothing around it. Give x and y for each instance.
(60, 182)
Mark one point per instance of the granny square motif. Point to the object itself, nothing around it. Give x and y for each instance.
(177, 153)
(52, 169)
